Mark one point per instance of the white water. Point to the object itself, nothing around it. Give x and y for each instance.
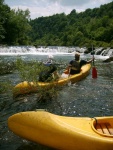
(23, 50)
(54, 50)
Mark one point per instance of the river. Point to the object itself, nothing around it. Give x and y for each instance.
(89, 97)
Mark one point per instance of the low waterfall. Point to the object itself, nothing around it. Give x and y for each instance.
(54, 50)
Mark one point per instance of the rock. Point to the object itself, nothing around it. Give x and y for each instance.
(86, 51)
(90, 50)
(108, 59)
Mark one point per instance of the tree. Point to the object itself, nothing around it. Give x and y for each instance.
(18, 27)
(4, 13)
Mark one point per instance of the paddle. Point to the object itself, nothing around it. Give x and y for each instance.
(94, 71)
(69, 81)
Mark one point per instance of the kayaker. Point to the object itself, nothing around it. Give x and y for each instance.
(50, 71)
(49, 59)
(75, 65)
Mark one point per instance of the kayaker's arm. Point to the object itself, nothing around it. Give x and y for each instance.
(89, 61)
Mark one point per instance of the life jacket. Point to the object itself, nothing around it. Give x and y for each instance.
(75, 65)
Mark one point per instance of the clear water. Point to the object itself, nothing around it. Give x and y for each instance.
(89, 97)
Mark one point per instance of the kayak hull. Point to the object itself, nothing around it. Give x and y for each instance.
(30, 87)
(61, 132)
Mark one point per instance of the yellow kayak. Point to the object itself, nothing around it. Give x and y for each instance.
(30, 87)
(64, 133)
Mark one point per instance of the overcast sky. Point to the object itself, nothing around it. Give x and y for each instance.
(40, 8)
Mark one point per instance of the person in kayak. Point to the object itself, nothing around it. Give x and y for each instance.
(75, 65)
(49, 72)
(49, 59)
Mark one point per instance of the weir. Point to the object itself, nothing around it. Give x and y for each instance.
(54, 50)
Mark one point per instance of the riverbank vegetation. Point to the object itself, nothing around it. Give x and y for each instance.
(93, 26)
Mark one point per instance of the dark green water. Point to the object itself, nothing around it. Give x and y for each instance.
(89, 97)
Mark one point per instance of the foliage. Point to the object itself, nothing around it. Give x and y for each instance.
(29, 72)
(4, 13)
(6, 67)
(5, 86)
(18, 28)
(47, 94)
(14, 25)
(75, 29)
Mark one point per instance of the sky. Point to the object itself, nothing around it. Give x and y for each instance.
(44, 8)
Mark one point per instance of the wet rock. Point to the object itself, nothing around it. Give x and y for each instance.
(89, 50)
(108, 59)
(92, 52)
(86, 51)
(100, 51)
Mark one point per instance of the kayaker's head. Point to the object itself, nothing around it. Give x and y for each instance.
(50, 57)
(77, 56)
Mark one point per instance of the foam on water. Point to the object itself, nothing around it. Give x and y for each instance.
(55, 50)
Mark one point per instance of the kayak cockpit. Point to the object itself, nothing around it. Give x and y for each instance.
(103, 127)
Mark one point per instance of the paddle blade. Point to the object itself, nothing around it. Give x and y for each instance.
(94, 72)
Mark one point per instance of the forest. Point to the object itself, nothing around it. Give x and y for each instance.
(93, 26)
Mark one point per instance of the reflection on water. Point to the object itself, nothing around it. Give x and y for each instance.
(89, 97)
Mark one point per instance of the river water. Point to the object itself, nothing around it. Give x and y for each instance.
(89, 97)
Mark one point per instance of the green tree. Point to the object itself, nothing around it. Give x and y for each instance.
(18, 28)
(4, 13)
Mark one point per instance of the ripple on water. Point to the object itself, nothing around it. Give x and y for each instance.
(88, 97)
